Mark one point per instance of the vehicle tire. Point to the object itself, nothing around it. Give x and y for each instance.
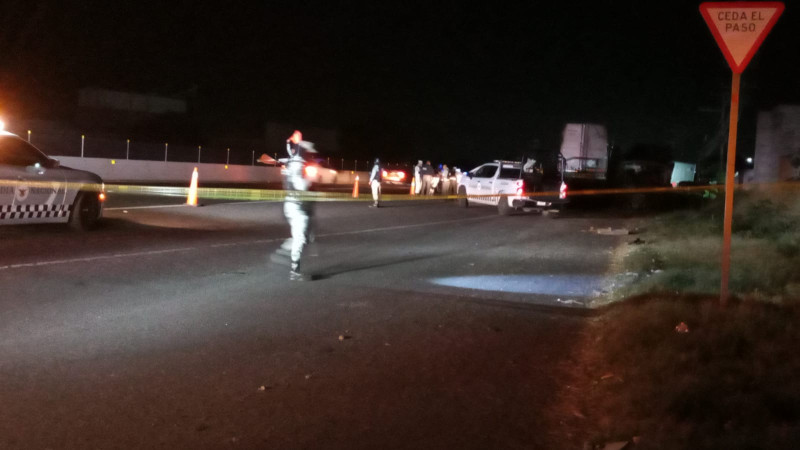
(463, 202)
(503, 208)
(637, 202)
(85, 211)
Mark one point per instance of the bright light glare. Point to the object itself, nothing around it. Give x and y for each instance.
(311, 171)
(394, 175)
(102, 196)
(749, 160)
(560, 285)
(2, 125)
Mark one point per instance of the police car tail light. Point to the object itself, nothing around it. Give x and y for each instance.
(520, 187)
(385, 174)
(401, 175)
(311, 171)
(102, 196)
(562, 193)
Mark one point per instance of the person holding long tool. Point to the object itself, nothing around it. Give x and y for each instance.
(297, 209)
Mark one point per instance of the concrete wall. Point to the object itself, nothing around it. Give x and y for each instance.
(135, 171)
(777, 138)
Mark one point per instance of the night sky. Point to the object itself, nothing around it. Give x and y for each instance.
(459, 81)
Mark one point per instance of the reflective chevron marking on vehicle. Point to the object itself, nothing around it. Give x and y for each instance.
(16, 212)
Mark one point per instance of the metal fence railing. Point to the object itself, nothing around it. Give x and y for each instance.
(71, 143)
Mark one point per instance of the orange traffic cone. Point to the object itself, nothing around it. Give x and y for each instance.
(191, 200)
(413, 187)
(355, 188)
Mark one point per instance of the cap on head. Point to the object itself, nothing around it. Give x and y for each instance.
(296, 137)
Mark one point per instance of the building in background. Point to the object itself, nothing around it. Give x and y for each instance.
(777, 153)
(129, 102)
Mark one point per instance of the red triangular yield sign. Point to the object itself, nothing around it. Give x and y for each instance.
(740, 27)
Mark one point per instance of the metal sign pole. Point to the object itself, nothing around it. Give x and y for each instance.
(739, 29)
(729, 185)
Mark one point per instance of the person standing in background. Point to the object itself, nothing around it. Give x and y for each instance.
(418, 177)
(375, 178)
(445, 179)
(427, 178)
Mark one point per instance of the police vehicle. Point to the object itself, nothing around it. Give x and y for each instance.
(511, 186)
(36, 189)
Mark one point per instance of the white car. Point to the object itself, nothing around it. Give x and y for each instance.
(35, 189)
(505, 185)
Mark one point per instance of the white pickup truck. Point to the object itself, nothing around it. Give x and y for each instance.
(507, 186)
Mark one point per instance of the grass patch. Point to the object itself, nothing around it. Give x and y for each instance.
(682, 249)
(730, 382)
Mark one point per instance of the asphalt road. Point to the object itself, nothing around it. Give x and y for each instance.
(427, 326)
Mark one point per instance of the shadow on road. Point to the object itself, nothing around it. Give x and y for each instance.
(339, 270)
(54, 241)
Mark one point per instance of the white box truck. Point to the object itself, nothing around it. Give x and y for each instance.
(584, 149)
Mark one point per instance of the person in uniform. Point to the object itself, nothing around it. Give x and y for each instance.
(427, 178)
(444, 174)
(375, 178)
(297, 208)
(418, 177)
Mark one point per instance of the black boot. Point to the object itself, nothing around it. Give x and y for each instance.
(295, 274)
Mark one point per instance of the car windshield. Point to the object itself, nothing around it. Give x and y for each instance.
(16, 152)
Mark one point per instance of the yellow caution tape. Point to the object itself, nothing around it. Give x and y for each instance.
(278, 195)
